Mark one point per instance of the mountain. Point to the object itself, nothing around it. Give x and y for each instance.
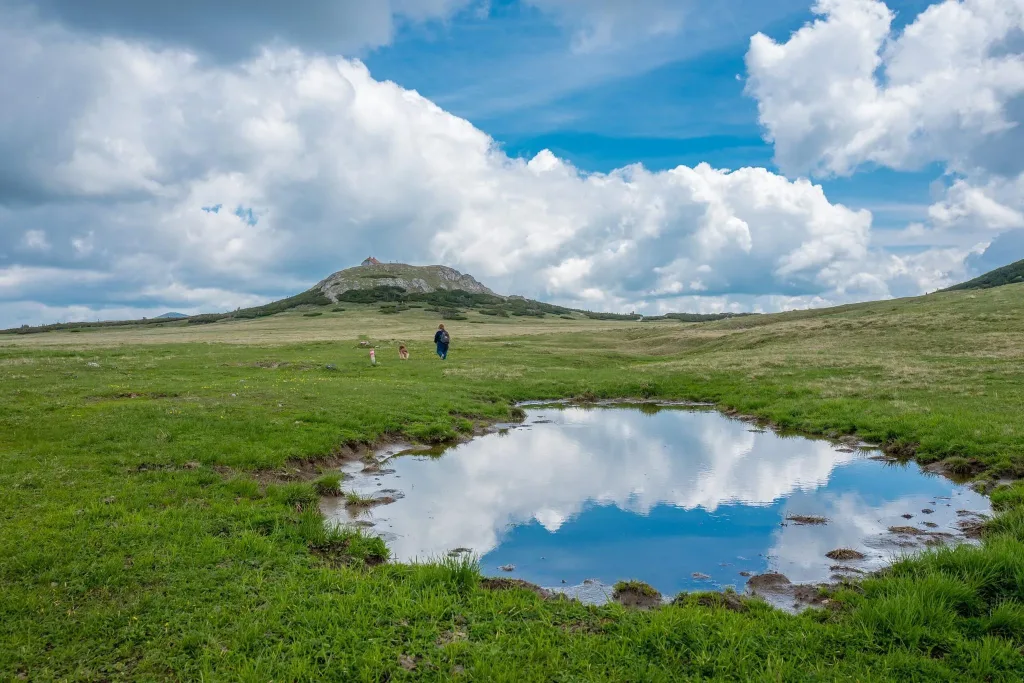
(395, 287)
(413, 279)
(1007, 275)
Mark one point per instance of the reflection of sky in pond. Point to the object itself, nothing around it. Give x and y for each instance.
(612, 494)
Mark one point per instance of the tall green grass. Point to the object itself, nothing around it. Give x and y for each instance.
(159, 538)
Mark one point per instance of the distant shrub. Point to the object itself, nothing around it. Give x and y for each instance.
(312, 315)
(373, 295)
(337, 309)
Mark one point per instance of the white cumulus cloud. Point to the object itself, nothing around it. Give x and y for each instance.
(200, 185)
(848, 92)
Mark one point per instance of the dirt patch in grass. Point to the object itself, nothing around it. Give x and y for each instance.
(129, 395)
(973, 528)
(727, 601)
(165, 467)
(449, 637)
(636, 594)
(312, 468)
(514, 584)
(272, 365)
(810, 596)
(293, 471)
(778, 590)
(956, 468)
(339, 554)
(901, 450)
(844, 554)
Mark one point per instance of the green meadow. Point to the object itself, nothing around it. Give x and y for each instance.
(159, 511)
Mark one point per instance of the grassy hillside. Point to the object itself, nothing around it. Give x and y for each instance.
(150, 529)
(1007, 275)
(446, 304)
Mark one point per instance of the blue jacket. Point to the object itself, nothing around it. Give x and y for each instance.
(439, 338)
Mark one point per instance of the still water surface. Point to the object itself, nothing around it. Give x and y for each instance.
(579, 498)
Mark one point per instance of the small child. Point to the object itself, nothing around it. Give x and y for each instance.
(403, 352)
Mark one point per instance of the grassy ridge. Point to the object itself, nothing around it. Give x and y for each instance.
(141, 537)
(1009, 274)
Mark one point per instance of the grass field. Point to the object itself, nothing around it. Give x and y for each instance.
(146, 532)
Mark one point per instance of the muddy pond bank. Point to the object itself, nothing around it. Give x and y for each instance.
(575, 499)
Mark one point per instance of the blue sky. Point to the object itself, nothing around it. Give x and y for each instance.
(680, 102)
(790, 159)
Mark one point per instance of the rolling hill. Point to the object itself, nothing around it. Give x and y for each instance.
(412, 279)
(395, 287)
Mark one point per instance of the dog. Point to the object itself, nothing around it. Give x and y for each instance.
(403, 352)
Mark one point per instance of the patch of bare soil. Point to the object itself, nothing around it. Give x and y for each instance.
(128, 395)
(336, 554)
(164, 467)
(956, 469)
(308, 469)
(973, 527)
(779, 591)
(293, 470)
(727, 601)
(900, 450)
(514, 584)
(770, 582)
(637, 598)
(449, 637)
(807, 520)
(844, 554)
(271, 365)
(810, 596)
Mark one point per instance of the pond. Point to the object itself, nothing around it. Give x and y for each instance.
(575, 499)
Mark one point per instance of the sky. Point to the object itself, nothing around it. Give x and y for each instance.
(616, 155)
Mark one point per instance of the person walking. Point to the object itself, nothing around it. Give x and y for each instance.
(442, 339)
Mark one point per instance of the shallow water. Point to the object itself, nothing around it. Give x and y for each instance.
(580, 498)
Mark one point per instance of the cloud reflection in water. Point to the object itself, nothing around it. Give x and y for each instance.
(614, 493)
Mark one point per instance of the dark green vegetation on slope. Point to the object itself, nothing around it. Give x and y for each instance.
(143, 534)
(1007, 275)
